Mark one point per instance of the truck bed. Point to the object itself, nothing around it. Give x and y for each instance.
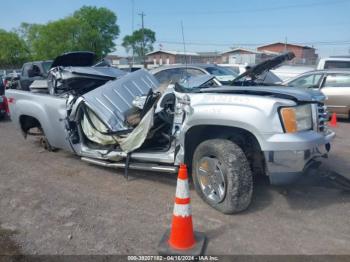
(49, 111)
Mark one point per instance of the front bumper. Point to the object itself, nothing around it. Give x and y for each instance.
(284, 166)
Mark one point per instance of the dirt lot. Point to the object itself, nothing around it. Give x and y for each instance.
(52, 203)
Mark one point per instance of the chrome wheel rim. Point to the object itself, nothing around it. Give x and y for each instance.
(211, 179)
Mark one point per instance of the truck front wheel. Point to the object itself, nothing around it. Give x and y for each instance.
(222, 175)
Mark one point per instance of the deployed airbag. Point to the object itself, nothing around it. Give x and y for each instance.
(96, 131)
(138, 135)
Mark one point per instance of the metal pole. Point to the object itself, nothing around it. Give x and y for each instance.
(285, 44)
(143, 39)
(132, 28)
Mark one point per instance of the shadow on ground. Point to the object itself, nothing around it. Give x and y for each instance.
(317, 189)
(7, 246)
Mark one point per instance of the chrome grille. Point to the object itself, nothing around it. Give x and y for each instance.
(322, 114)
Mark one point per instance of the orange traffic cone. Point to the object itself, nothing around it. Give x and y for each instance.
(333, 122)
(181, 239)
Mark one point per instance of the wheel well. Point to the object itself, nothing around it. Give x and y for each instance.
(28, 122)
(243, 138)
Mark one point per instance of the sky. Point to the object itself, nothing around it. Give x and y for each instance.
(208, 25)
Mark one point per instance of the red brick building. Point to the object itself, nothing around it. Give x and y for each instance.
(303, 54)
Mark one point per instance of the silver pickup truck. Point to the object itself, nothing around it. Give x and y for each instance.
(225, 134)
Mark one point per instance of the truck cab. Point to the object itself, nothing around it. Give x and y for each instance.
(32, 71)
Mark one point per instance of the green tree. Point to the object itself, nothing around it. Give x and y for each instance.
(88, 29)
(29, 33)
(13, 50)
(98, 29)
(55, 38)
(141, 42)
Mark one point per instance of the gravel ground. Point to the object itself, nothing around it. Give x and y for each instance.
(52, 203)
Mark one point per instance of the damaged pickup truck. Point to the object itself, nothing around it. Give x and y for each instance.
(225, 134)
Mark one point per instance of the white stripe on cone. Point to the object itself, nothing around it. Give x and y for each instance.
(182, 189)
(182, 210)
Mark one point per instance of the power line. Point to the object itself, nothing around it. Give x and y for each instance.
(253, 10)
(339, 42)
(254, 26)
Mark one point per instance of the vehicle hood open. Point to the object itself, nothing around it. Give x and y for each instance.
(254, 71)
(75, 72)
(79, 58)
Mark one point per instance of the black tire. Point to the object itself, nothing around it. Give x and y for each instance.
(235, 170)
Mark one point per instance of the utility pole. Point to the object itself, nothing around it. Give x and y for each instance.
(132, 29)
(285, 44)
(143, 39)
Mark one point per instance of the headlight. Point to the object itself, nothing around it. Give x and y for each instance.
(297, 118)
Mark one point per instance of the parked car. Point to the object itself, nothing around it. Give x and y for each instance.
(174, 73)
(225, 134)
(335, 84)
(286, 72)
(30, 72)
(77, 72)
(334, 62)
(11, 79)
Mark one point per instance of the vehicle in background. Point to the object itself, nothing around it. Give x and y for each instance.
(76, 72)
(267, 77)
(9, 76)
(334, 62)
(286, 72)
(130, 69)
(30, 72)
(334, 83)
(5, 72)
(69, 71)
(175, 73)
(225, 134)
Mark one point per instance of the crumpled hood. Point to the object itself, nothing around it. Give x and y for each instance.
(293, 93)
(103, 72)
